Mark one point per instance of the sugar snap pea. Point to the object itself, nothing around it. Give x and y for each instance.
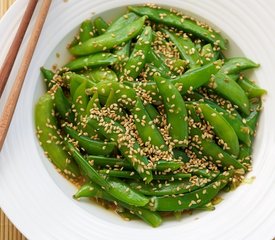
(181, 22)
(222, 128)
(91, 146)
(109, 40)
(175, 111)
(138, 57)
(186, 48)
(50, 138)
(48, 77)
(86, 31)
(193, 199)
(250, 88)
(94, 60)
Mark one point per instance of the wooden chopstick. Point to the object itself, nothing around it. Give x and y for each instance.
(10, 58)
(10, 105)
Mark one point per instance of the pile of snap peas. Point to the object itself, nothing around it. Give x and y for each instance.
(150, 117)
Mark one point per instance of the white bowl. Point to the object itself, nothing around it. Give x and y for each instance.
(39, 201)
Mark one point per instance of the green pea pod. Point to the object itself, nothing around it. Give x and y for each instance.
(48, 77)
(210, 149)
(86, 31)
(62, 104)
(253, 118)
(235, 120)
(122, 22)
(186, 48)
(100, 25)
(193, 199)
(102, 161)
(101, 74)
(91, 146)
(147, 130)
(229, 89)
(138, 57)
(113, 186)
(171, 188)
(237, 64)
(125, 193)
(50, 139)
(222, 128)
(250, 88)
(115, 134)
(95, 60)
(92, 190)
(190, 80)
(175, 111)
(123, 53)
(109, 40)
(166, 17)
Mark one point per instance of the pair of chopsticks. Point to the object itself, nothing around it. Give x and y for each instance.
(6, 68)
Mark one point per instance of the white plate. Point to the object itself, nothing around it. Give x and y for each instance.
(39, 201)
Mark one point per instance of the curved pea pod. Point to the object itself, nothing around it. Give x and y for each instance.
(95, 60)
(62, 104)
(175, 111)
(100, 25)
(190, 80)
(216, 154)
(92, 190)
(222, 128)
(101, 74)
(132, 154)
(168, 18)
(235, 120)
(171, 188)
(50, 138)
(138, 57)
(237, 64)
(91, 146)
(193, 199)
(109, 40)
(186, 48)
(229, 89)
(48, 77)
(147, 130)
(125, 193)
(250, 88)
(86, 31)
(122, 22)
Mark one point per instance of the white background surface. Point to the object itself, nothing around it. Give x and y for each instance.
(39, 201)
